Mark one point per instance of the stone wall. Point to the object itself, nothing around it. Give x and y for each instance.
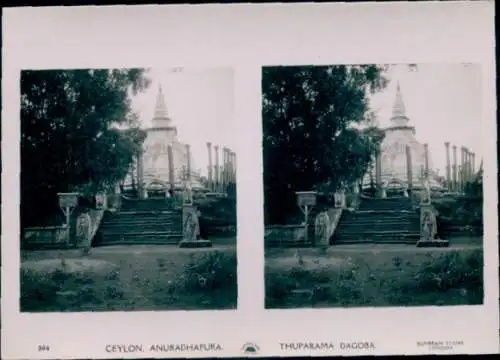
(45, 237)
(285, 235)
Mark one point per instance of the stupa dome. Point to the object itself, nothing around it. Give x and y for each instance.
(393, 158)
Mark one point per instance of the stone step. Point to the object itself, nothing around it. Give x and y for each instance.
(379, 220)
(139, 232)
(139, 223)
(381, 225)
(137, 241)
(370, 230)
(157, 238)
(370, 222)
(375, 234)
(412, 241)
(147, 212)
(375, 237)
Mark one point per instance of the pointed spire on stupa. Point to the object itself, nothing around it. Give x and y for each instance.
(399, 109)
(160, 117)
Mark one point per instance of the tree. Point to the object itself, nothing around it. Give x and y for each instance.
(77, 133)
(311, 130)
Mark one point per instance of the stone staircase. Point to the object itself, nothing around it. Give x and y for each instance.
(141, 222)
(389, 220)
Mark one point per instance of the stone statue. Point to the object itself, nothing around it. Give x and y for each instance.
(426, 198)
(321, 227)
(191, 225)
(83, 229)
(428, 225)
(188, 194)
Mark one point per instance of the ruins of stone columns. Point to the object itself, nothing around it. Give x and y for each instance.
(448, 165)
(217, 180)
(140, 176)
(188, 163)
(378, 172)
(409, 169)
(210, 179)
(455, 172)
(233, 162)
(171, 167)
(474, 163)
(426, 161)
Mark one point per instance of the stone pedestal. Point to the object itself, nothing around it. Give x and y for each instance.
(191, 229)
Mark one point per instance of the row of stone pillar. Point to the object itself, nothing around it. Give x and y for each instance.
(458, 175)
(139, 173)
(220, 176)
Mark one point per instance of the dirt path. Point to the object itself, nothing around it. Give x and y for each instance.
(371, 248)
(118, 250)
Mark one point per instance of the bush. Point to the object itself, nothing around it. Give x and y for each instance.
(432, 278)
(60, 289)
(212, 271)
(451, 270)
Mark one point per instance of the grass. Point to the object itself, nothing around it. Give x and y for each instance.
(374, 277)
(130, 279)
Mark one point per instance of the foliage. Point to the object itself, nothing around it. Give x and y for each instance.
(212, 271)
(53, 290)
(418, 278)
(151, 280)
(311, 130)
(462, 211)
(70, 136)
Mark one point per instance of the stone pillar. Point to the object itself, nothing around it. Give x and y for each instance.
(474, 164)
(140, 176)
(460, 178)
(217, 180)
(469, 166)
(466, 166)
(171, 168)
(455, 170)
(409, 168)
(426, 161)
(378, 173)
(188, 163)
(234, 167)
(224, 168)
(462, 169)
(448, 165)
(231, 167)
(210, 179)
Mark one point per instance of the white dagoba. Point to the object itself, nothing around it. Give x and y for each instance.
(155, 159)
(398, 135)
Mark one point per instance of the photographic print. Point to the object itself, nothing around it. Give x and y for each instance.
(128, 190)
(373, 185)
(245, 180)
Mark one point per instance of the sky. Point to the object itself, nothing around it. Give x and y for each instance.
(443, 103)
(200, 104)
